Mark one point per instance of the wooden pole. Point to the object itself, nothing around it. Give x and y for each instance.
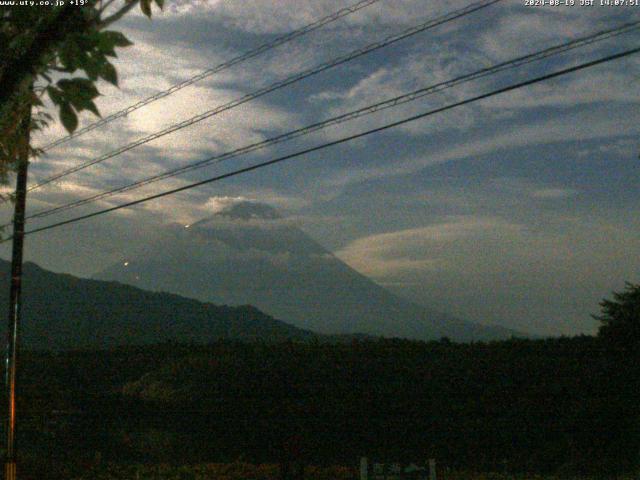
(364, 468)
(10, 470)
(432, 469)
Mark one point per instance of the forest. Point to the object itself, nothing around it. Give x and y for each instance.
(563, 406)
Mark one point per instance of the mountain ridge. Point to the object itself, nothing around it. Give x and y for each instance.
(61, 311)
(248, 253)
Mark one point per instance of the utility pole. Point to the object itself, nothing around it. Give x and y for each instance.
(22, 159)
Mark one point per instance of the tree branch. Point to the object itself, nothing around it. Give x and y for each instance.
(105, 5)
(24, 67)
(118, 15)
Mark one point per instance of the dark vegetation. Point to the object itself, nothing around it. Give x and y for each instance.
(560, 406)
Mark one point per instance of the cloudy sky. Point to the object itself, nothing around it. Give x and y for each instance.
(520, 210)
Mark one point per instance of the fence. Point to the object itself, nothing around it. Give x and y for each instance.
(397, 471)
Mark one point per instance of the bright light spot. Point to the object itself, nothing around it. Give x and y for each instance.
(187, 226)
(126, 264)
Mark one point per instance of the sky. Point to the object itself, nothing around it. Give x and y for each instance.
(519, 210)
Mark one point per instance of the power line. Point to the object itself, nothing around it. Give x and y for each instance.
(349, 138)
(211, 71)
(276, 86)
(392, 102)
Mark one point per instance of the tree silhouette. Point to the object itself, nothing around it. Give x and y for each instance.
(620, 318)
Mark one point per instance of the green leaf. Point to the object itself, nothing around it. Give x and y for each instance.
(79, 92)
(71, 55)
(109, 38)
(80, 88)
(68, 117)
(105, 43)
(160, 4)
(109, 73)
(92, 68)
(55, 95)
(96, 64)
(145, 6)
(92, 108)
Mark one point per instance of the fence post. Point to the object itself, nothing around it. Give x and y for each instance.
(364, 468)
(432, 469)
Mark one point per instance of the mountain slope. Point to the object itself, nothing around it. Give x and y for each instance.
(248, 254)
(62, 311)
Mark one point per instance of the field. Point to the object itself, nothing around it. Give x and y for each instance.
(212, 471)
(244, 471)
(561, 408)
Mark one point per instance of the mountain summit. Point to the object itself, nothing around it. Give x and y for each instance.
(247, 253)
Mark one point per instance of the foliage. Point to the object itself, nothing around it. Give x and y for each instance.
(244, 471)
(620, 318)
(469, 475)
(213, 471)
(558, 406)
(60, 52)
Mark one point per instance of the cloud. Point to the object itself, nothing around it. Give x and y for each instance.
(548, 279)
(521, 188)
(413, 250)
(280, 16)
(149, 68)
(220, 204)
(553, 193)
(587, 125)
(591, 87)
(192, 7)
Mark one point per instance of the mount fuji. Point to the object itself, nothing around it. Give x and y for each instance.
(247, 253)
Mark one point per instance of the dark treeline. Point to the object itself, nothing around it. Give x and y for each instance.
(561, 406)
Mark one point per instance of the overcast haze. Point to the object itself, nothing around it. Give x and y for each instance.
(520, 210)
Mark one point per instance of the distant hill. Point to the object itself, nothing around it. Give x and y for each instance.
(248, 253)
(62, 311)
